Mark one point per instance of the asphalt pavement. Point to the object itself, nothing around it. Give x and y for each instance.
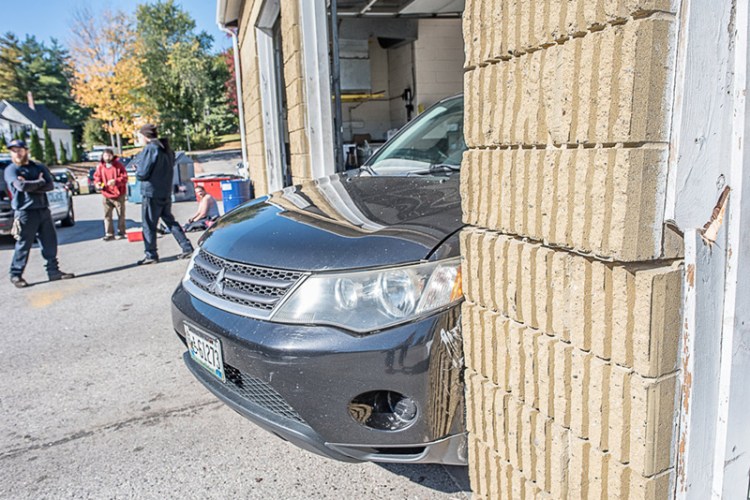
(95, 401)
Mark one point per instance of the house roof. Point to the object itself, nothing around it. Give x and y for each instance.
(36, 116)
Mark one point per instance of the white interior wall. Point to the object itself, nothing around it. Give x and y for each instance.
(371, 117)
(438, 60)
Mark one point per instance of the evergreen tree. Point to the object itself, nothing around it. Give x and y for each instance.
(50, 155)
(35, 148)
(3, 144)
(75, 154)
(63, 154)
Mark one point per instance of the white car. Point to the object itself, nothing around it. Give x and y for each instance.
(61, 205)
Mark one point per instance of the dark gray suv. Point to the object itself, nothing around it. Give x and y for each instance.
(329, 313)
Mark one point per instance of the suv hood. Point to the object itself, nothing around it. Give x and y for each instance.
(343, 221)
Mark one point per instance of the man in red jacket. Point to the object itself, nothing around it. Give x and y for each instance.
(112, 178)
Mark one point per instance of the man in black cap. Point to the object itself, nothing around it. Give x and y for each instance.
(155, 170)
(28, 183)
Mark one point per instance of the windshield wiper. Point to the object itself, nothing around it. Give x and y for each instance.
(436, 168)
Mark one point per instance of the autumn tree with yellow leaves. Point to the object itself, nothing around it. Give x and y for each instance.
(108, 78)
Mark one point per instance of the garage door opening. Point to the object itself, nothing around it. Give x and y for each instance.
(391, 60)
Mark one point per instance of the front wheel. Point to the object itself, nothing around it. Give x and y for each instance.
(70, 219)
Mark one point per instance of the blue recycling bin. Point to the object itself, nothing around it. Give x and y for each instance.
(235, 192)
(134, 188)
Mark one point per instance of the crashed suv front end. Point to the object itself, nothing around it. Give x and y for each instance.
(329, 314)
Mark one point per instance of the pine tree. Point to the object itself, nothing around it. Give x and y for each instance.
(75, 154)
(3, 144)
(35, 149)
(50, 155)
(63, 154)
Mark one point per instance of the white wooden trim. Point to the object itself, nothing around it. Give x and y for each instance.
(317, 73)
(732, 457)
(703, 285)
(268, 95)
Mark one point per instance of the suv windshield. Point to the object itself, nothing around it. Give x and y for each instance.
(434, 139)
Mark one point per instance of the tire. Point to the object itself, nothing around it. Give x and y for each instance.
(70, 219)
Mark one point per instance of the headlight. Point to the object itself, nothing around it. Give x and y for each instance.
(364, 301)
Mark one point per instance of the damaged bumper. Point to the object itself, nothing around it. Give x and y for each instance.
(300, 382)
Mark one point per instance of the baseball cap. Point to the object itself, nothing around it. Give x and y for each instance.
(17, 143)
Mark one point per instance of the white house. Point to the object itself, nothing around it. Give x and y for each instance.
(16, 116)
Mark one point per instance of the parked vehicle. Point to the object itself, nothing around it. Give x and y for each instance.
(60, 204)
(90, 180)
(329, 313)
(65, 176)
(96, 153)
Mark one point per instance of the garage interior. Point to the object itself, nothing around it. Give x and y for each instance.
(390, 60)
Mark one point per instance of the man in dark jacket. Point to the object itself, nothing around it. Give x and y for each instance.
(155, 170)
(28, 183)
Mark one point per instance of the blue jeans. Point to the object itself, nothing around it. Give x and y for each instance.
(35, 224)
(153, 209)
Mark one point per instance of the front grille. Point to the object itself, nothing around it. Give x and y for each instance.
(256, 287)
(260, 393)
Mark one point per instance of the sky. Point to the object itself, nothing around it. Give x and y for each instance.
(47, 19)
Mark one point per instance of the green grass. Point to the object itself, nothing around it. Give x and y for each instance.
(223, 139)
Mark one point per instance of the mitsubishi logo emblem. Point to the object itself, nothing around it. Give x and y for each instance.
(217, 286)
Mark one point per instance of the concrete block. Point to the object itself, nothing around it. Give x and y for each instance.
(563, 383)
(657, 310)
(601, 310)
(618, 436)
(502, 362)
(513, 280)
(543, 290)
(545, 374)
(559, 289)
(578, 472)
(623, 302)
(559, 461)
(515, 346)
(598, 405)
(580, 386)
(531, 367)
(652, 488)
(652, 417)
(579, 302)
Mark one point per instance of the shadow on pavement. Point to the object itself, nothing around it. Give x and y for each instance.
(443, 478)
(86, 230)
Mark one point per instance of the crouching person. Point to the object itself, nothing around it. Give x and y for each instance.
(28, 183)
(208, 210)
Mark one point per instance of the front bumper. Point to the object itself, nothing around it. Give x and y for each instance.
(297, 381)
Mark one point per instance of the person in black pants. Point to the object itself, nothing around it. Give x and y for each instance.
(28, 183)
(155, 170)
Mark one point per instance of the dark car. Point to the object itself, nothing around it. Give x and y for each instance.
(65, 177)
(329, 313)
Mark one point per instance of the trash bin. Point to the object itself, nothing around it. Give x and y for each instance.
(235, 192)
(212, 184)
(134, 188)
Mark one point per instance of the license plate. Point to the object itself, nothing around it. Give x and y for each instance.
(205, 349)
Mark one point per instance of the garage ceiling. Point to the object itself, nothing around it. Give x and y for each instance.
(397, 8)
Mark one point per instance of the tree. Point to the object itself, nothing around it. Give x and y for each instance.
(50, 155)
(108, 78)
(93, 132)
(63, 154)
(35, 148)
(178, 67)
(3, 143)
(75, 153)
(45, 71)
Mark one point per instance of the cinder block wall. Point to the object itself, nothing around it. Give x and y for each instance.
(295, 91)
(572, 309)
(256, 154)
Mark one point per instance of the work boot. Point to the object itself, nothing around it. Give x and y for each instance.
(18, 281)
(61, 276)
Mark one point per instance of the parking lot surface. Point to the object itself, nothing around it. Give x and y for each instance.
(95, 401)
